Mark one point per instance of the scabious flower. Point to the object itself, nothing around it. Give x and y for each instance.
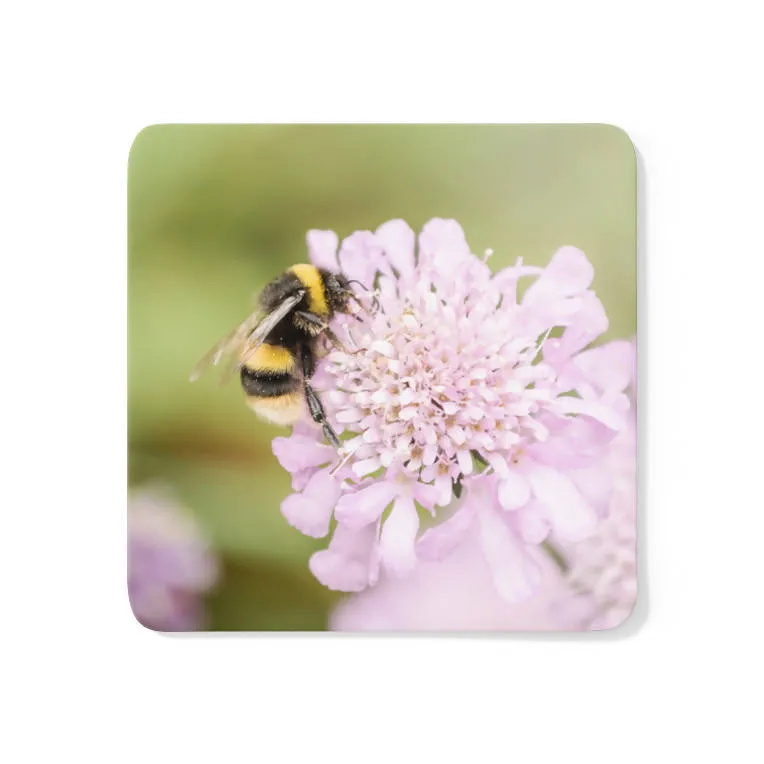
(603, 568)
(170, 565)
(455, 387)
(595, 591)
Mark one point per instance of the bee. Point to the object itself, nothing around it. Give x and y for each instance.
(275, 348)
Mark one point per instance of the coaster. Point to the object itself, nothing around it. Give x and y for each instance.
(382, 378)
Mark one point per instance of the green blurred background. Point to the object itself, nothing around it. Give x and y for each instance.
(215, 211)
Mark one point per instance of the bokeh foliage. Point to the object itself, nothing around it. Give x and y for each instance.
(215, 211)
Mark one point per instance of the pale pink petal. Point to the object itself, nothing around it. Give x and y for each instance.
(575, 443)
(311, 510)
(506, 280)
(445, 488)
(361, 257)
(595, 484)
(366, 505)
(398, 240)
(529, 523)
(499, 464)
(322, 248)
(570, 515)
(588, 323)
(398, 537)
(367, 466)
(515, 575)
(429, 496)
(609, 367)
(300, 452)
(350, 563)
(301, 478)
(514, 490)
(438, 542)
(620, 403)
(569, 273)
(557, 296)
(444, 242)
(567, 404)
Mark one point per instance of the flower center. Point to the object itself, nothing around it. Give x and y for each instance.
(435, 382)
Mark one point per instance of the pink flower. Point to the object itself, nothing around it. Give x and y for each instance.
(604, 567)
(454, 386)
(597, 590)
(170, 565)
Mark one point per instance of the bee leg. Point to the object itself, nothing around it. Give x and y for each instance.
(315, 406)
(315, 325)
(319, 415)
(309, 323)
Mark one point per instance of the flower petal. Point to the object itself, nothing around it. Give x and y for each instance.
(438, 542)
(515, 575)
(571, 517)
(397, 240)
(350, 564)
(595, 484)
(311, 510)
(361, 257)
(514, 490)
(301, 478)
(443, 242)
(556, 297)
(430, 496)
(398, 537)
(575, 443)
(586, 325)
(322, 248)
(505, 281)
(567, 404)
(299, 452)
(443, 485)
(609, 367)
(569, 273)
(530, 523)
(366, 505)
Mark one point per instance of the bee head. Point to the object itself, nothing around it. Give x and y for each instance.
(338, 292)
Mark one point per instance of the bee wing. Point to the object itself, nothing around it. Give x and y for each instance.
(226, 346)
(269, 322)
(248, 335)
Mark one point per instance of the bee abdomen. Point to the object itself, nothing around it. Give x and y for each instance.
(268, 384)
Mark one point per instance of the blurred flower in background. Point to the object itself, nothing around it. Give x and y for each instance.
(170, 565)
(455, 387)
(604, 567)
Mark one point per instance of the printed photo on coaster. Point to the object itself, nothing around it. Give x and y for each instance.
(382, 378)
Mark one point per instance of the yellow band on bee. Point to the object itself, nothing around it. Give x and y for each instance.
(311, 278)
(271, 358)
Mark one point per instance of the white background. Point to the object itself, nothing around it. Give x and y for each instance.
(80, 679)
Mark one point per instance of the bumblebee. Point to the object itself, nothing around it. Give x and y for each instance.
(275, 349)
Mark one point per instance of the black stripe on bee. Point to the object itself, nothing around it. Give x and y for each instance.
(268, 384)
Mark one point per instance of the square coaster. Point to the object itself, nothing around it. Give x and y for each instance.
(428, 338)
